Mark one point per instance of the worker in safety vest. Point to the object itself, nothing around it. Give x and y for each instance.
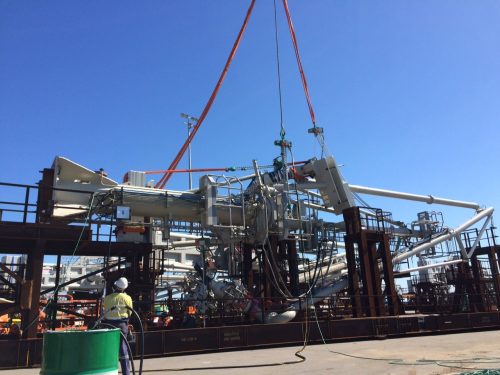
(117, 311)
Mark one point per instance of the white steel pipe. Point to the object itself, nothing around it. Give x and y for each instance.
(172, 278)
(445, 237)
(321, 293)
(178, 265)
(314, 206)
(427, 266)
(479, 235)
(189, 243)
(461, 246)
(184, 235)
(334, 268)
(413, 197)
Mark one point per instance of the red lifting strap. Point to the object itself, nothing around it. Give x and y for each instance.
(187, 170)
(180, 154)
(299, 63)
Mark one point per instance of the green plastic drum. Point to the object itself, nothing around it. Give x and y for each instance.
(80, 352)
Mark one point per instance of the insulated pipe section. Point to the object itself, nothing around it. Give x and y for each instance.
(445, 237)
(322, 293)
(161, 203)
(413, 197)
(318, 295)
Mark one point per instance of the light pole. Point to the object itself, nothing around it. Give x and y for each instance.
(190, 120)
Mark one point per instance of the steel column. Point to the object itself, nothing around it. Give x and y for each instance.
(478, 285)
(53, 318)
(353, 279)
(390, 286)
(368, 298)
(30, 298)
(43, 210)
(494, 274)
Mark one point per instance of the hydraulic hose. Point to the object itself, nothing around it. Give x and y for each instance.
(142, 339)
(100, 323)
(129, 349)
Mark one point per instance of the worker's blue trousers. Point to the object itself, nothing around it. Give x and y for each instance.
(124, 355)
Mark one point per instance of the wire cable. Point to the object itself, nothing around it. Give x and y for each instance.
(301, 246)
(124, 338)
(83, 228)
(297, 354)
(419, 362)
(299, 63)
(282, 131)
(142, 338)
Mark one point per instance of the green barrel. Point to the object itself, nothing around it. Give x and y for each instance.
(81, 352)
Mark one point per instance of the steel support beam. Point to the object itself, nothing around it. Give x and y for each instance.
(368, 247)
(30, 294)
(492, 258)
(44, 207)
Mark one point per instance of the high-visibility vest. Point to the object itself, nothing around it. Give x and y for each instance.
(115, 306)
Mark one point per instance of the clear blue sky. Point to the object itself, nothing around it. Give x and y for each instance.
(408, 91)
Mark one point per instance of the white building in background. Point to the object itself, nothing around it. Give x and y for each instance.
(182, 249)
(79, 267)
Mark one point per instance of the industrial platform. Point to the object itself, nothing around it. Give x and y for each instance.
(454, 354)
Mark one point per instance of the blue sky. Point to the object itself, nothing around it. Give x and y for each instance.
(408, 91)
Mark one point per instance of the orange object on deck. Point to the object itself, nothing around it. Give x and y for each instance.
(133, 229)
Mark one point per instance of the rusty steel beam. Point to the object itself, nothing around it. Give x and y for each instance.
(11, 273)
(353, 279)
(477, 284)
(67, 247)
(388, 269)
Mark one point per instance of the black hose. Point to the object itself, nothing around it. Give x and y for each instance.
(301, 357)
(142, 339)
(300, 360)
(129, 349)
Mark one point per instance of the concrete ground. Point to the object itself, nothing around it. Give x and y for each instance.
(455, 353)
